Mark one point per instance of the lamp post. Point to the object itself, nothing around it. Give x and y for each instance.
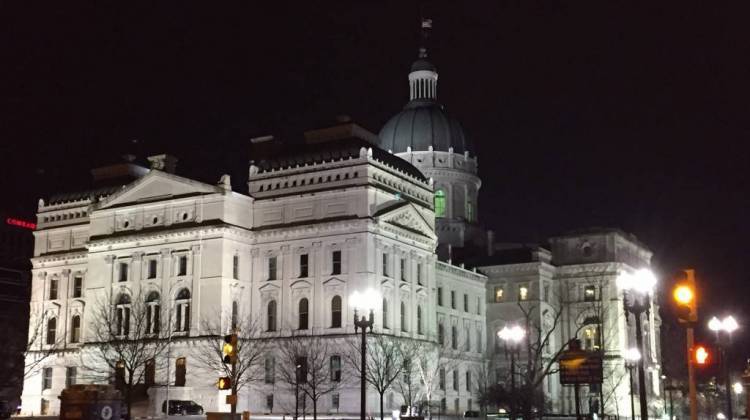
(512, 337)
(632, 356)
(727, 326)
(363, 302)
(637, 288)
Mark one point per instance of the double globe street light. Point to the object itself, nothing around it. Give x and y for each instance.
(637, 288)
(727, 326)
(364, 302)
(512, 337)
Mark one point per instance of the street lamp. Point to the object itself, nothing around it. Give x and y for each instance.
(512, 337)
(365, 301)
(637, 288)
(632, 356)
(728, 325)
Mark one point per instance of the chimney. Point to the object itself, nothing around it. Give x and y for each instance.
(163, 162)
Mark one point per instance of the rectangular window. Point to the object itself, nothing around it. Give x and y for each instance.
(336, 262)
(304, 265)
(442, 379)
(336, 368)
(53, 289)
(466, 302)
(46, 378)
(499, 294)
(44, 407)
(301, 367)
(152, 264)
(468, 380)
(70, 375)
(589, 293)
(77, 286)
(236, 267)
(440, 296)
(269, 402)
(385, 265)
(335, 401)
(403, 269)
(523, 292)
(546, 293)
(419, 274)
(453, 299)
(455, 380)
(182, 265)
(272, 268)
(479, 305)
(123, 272)
(180, 371)
(270, 370)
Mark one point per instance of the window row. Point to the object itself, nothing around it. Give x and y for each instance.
(71, 377)
(454, 338)
(303, 265)
(64, 216)
(302, 369)
(465, 302)
(180, 268)
(456, 377)
(53, 290)
(403, 269)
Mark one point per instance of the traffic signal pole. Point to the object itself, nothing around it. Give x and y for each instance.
(690, 338)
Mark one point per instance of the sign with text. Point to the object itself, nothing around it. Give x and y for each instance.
(580, 367)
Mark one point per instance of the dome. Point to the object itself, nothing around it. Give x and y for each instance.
(422, 64)
(421, 124)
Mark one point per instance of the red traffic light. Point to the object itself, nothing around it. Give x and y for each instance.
(700, 355)
(224, 383)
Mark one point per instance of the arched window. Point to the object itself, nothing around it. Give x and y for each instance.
(454, 337)
(51, 330)
(271, 316)
(385, 313)
(439, 203)
(182, 311)
(122, 315)
(441, 333)
(75, 329)
(153, 313)
(234, 314)
(336, 312)
(180, 371)
(419, 320)
(303, 308)
(403, 317)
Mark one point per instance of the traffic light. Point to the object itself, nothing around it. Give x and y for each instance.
(700, 355)
(224, 383)
(230, 348)
(685, 298)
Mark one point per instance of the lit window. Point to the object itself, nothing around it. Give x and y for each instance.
(523, 293)
(589, 293)
(591, 338)
(499, 294)
(439, 203)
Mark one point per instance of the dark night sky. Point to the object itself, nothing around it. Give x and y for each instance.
(583, 114)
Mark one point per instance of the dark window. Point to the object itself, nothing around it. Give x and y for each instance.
(385, 264)
(269, 402)
(335, 401)
(51, 330)
(234, 314)
(453, 299)
(303, 307)
(455, 380)
(454, 337)
(123, 272)
(466, 303)
(403, 317)
(441, 334)
(271, 316)
(336, 312)
(468, 380)
(336, 262)
(152, 264)
(120, 375)
(270, 370)
(182, 265)
(180, 371)
(77, 286)
(303, 265)
(272, 268)
(236, 267)
(301, 370)
(153, 313)
(70, 375)
(182, 309)
(385, 314)
(403, 269)
(47, 378)
(336, 368)
(419, 320)
(440, 296)
(75, 329)
(150, 379)
(419, 274)
(442, 379)
(53, 289)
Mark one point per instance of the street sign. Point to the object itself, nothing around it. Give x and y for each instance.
(580, 367)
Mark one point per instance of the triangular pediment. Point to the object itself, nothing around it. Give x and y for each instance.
(405, 215)
(156, 186)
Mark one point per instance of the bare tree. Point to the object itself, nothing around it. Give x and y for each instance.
(125, 339)
(250, 351)
(307, 367)
(383, 364)
(24, 351)
(483, 385)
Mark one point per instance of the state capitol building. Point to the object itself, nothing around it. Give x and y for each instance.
(179, 261)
